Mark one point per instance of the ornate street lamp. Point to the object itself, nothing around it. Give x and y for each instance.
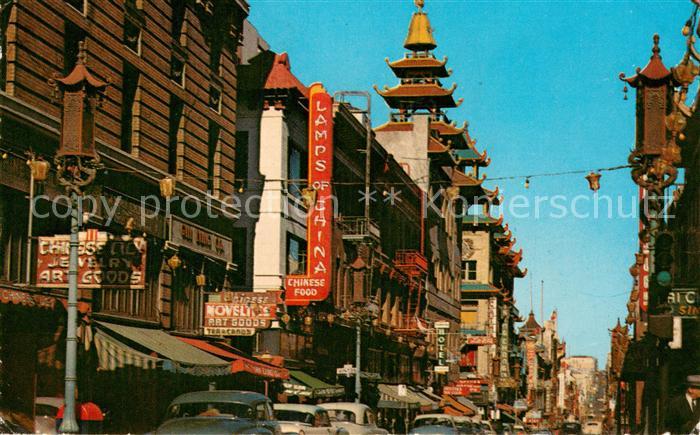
(76, 164)
(362, 314)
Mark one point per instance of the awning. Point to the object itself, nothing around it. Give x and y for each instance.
(303, 384)
(426, 403)
(239, 362)
(389, 398)
(175, 355)
(461, 404)
(112, 355)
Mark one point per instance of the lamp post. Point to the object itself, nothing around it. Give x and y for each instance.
(76, 164)
(361, 314)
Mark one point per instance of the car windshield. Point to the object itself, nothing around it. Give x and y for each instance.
(289, 415)
(342, 415)
(433, 421)
(210, 409)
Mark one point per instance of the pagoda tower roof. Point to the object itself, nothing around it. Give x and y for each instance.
(430, 95)
(531, 324)
(413, 65)
(419, 71)
(281, 76)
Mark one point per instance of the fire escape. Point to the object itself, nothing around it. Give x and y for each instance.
(414, 265)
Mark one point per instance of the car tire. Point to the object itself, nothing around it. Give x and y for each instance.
(301, 432)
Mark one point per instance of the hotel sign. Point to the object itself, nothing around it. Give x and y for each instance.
(104, 261)
(240, 313)
(441, 329)
(314, 285)
(200, 240)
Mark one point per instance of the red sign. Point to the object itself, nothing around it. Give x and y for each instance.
(481, 340)
(104, 261)
(315, 284)
(238, 313)
(643, 277)
(454, 390)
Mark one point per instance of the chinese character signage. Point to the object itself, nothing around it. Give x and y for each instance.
(315, 284)
(200, 240)
(104, 261)
(240, 313)
(643, 277)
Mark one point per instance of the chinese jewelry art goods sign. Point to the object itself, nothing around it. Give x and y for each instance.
(104, 261)
(441, 329)
(240, 313)
(315, 284)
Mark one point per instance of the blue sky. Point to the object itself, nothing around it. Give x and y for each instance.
(541, 94)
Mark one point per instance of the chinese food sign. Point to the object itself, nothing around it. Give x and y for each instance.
(104, 261)
(315, 284)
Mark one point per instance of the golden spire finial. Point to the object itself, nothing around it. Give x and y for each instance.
(420, 34)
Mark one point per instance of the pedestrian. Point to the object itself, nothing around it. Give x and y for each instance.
(683, 411)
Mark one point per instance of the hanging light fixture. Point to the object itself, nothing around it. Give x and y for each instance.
(167, 187)
(286, 318)
(201, 278)
(527, 183)
(39, 169)
(308, 196)
(594, 180)
(174, 262)
(330, 318)
(308, 320)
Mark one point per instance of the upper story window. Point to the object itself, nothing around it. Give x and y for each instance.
(4, 24)
(296, 255)
(178, 20)
(215, 95)
(130, 84)
(175, 133)
(241, 161)
(213, 171)
(79, 5)
(132, 35)
(297, 169)
(469, 270)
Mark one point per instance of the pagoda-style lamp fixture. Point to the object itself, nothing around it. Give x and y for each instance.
(39, 169)
(594, 180)
(308, 196)
(77, 162)
(659, 123)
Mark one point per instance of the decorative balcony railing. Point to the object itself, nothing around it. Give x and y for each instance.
(411, 262)
(359, 228)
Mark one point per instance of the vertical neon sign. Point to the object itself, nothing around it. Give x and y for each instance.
(315, 284)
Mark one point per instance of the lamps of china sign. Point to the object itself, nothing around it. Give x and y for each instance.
(240, 313)
(104, 261)
(315, 284)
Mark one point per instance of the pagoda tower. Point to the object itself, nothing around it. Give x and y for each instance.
(435, 151)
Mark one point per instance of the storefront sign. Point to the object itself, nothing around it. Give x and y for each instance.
(453, 390)
(240, 313)
(441, 329)
(200, 240)
(315, 284)
(684, 302)
(104, 261)
(17, 297)
(531, 356)
(480, 340)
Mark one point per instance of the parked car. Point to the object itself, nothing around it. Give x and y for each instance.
(356, 418)
(467, 425)
(487, 427)
(571, 428)
(437, 424)
(305, 420)
(593, 428)
(220, 411)
(45, 410)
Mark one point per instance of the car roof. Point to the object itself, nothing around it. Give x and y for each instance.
(296, 407)
(452, 417)
(357, 408)
(219, 396)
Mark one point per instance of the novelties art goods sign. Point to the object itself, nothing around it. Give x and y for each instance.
(240, 313)
(104, 261)
(315, 284)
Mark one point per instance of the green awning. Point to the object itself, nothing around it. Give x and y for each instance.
(303, 384)
(176, 355)
(389, 397)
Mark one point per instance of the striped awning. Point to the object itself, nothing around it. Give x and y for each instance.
(389, 397)
(112, 354)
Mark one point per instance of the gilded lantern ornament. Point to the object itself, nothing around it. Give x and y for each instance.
(594, 181)
(39, 169)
